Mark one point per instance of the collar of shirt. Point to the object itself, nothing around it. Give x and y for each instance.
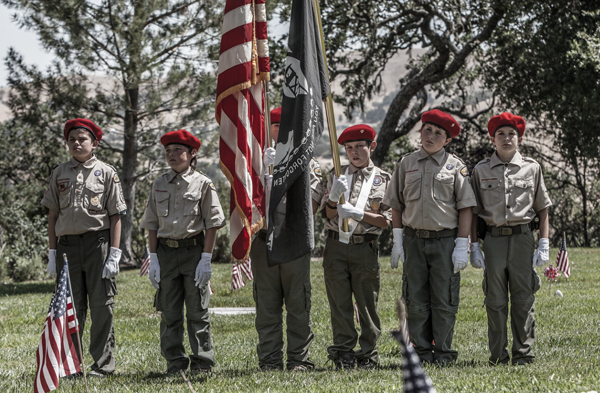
(516, 160)
(73, 163)
(365, 171)
(438, 157)
(185, 175)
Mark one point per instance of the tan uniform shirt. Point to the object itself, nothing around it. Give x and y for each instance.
(509, 193)
(182, 205)
(430, 190)
(85, 195)
(374, 201)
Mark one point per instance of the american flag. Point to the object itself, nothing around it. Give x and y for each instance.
(415, 379)
(237, 281)
(356, 313)
(562, 259)
(145, 263)
(56, 356)
(243, 65)
(246, 268)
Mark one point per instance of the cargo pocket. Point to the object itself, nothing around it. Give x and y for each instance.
(307, 297)
(111, 287)
(443, 187)
(412, 186)
(190, 204)
(162, 203)
(454, 290)
(536, 281)
(404, 290)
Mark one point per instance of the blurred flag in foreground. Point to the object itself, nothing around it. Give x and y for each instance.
(562, 259)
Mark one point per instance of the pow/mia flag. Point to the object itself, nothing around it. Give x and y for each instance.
(290, 235)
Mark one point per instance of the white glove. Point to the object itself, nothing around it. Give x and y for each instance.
(51, 269)
(111, 267)
(348, 211)
(476, 256)
(203, 270)
(460, 255)
(268, 158)
(154, 270)
(339, 186)
(542, 254)
(398, 248)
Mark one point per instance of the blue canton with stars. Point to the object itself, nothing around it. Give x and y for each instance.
(59, 301)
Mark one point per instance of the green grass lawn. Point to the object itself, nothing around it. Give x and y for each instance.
(567, 347)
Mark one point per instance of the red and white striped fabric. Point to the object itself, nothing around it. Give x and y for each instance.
(243, 65)
(356, 313)
(56, 356)
(246, 268)
(237, 281)
(210, 288)
(562, 259)
(145, 263)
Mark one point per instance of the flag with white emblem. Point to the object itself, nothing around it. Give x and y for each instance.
(290, 231)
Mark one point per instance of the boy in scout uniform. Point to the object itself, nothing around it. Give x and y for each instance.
(287, 283)
(350, 261)
(182, 218)
(85, 205)
(431, 197)
(510, 190)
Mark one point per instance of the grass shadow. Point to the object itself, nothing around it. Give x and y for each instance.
(26, 288)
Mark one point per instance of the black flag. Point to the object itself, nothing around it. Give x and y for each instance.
(290, 231)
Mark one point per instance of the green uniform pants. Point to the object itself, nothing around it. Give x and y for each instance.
(353, 269)
(431, 291)
(177, 285)
(87, 254)
(288, 283)
(508, 262)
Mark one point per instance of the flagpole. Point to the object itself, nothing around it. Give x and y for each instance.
(78, 326)
(329, 112)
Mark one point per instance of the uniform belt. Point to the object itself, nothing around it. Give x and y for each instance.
(425, 234)
(508, 231)
(354, 239)
(102, 232)
(189, 242)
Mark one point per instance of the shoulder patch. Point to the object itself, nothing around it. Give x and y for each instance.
(464, 171)
(317, 171)
(212, 186)
(115, 178)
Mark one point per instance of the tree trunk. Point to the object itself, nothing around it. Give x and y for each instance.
(130, 153)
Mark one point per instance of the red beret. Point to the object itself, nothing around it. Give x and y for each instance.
(506, 119)
(357, 133)
(442, 119)
(181, 137)
(276, 115)
(83, 123)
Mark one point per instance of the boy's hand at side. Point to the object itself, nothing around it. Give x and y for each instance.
(398, 248)
(154, 270)
(51, 269)
(203, 270)
(476, 256)
(542, 254)
(460, 255)
(111, 267)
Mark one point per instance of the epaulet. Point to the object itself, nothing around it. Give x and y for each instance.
(110, 166)
(406, 155)
(203, 174)
(529, 159)
(458, 158)
(384, 173)
(485, 160)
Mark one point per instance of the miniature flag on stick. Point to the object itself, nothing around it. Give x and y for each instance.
(56, 356)
(562, 259)
(237, 281)
(145, 263)
(415, 379)
(246, 268)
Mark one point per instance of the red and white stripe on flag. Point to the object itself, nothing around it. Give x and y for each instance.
(562, 259)
(243, 64)
(237, 281)
(246, 268)
(145, 263)
(56, 356)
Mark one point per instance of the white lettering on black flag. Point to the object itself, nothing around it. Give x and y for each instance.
(290, 235)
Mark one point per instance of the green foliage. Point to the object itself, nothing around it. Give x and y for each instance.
(566, 340)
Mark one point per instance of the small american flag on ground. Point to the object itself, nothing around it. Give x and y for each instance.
(562, 259)
(210, 288)
(246, 268)
(237, 281)
(356, 312)
(145, 263)
(56, 356)
(415, 379)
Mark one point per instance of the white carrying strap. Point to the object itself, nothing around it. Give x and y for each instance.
(365, 190)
